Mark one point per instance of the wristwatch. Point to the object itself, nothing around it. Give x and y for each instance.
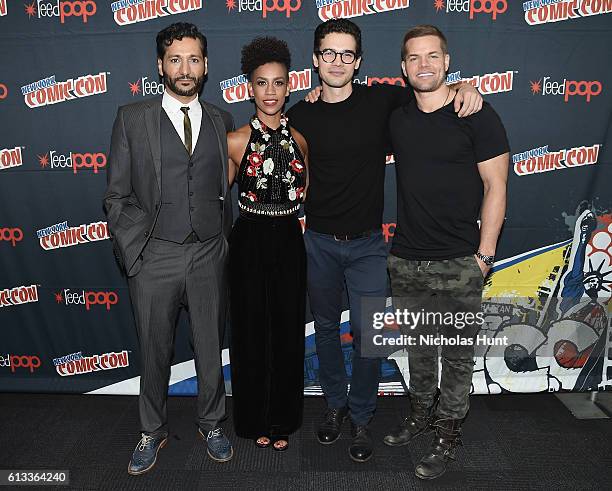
(488, 260)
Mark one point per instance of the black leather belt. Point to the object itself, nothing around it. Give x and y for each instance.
(361, 235)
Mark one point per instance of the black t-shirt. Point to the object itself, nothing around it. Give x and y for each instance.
(347, 145)
(439, 189)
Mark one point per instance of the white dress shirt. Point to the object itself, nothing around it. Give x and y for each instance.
(173, 110)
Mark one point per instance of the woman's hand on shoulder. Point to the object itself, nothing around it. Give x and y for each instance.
(301, 141)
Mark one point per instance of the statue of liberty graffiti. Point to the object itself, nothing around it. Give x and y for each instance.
(582, 310)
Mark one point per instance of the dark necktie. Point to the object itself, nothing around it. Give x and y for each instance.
(187, 127)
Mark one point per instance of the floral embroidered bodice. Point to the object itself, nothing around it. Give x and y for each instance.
(272, 174)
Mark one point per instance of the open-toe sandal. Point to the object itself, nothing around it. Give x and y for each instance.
(263, 441)
(278, 446)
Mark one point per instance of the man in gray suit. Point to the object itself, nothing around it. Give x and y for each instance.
(169, 211)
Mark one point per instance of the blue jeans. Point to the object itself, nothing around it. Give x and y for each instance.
(361, 265)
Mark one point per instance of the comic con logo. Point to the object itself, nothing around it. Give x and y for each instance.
(127, 12)
(335, 9)
(235, 89)
(61, 235)
(48, 91)
(585, 89)
(87, 298)
(541, 159)
(489, 83)
(11, 235)
(545, 11)
(491, 8)
(18, 295)
(11, 157)
(77, 364)
(81, 9)
(14, 362)
(72, 161)
(3, 92)
(145, 87)
(286, 7)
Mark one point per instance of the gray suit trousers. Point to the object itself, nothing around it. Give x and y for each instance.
(174, 276)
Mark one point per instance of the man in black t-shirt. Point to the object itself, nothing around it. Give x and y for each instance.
(448, 171)
(346, 131)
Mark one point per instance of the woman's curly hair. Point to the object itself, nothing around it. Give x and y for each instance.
(264, 50)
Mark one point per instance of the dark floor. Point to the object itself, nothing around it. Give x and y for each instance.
(510, 442)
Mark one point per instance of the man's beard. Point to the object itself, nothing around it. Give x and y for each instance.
(426, 88)
(173, 86)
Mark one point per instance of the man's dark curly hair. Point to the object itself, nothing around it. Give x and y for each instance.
(264, 50)
(176, 32)
(342, 26)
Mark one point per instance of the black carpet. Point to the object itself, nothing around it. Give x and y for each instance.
(510, 442)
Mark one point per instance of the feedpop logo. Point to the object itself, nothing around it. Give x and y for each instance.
(87, 298)
(11, 234)
(61, 9)
(14, 362)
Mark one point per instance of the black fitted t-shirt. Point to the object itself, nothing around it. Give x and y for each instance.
(347, 145)
(439, 189)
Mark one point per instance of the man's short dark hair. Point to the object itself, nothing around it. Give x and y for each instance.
(176, 32)
(342, 26)
(421, 31)
(264, 50)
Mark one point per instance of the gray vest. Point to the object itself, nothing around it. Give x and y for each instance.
(190, 186)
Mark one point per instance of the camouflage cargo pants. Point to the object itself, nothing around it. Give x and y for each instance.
(451, 288)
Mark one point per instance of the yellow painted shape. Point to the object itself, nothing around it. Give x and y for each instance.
(523, 279)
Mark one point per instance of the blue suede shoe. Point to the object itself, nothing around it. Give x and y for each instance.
(219, 447)
(145, 454)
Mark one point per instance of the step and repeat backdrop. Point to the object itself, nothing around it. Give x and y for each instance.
(65, 317)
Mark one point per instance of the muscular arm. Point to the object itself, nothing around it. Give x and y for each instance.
(494, 175)
(398, 94)
(467, 101)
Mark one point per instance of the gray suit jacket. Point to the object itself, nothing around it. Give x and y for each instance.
(133, 194)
